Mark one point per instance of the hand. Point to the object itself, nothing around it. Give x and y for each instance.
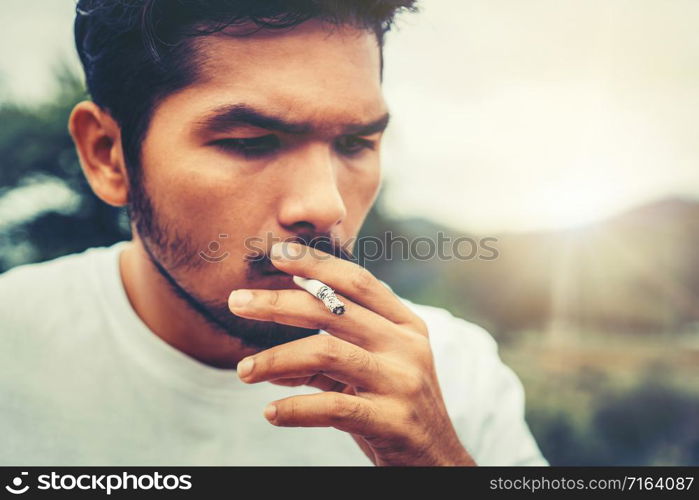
(376, 367)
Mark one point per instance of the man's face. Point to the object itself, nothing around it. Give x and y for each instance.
(279, 138)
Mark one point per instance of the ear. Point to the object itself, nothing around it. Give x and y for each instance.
(97, 138)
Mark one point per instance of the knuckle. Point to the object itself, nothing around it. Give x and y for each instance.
(344, 410)
(337, 409)
(421, 349)
(413, 384)
(362, 279)
(275, 305)
(331, 350)
(274, 300)
(292, 411)
(287, 411)
(421, 343)
(269, 360)
(421, 326)
(362, 361)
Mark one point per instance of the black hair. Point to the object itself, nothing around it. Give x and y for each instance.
(136, 52)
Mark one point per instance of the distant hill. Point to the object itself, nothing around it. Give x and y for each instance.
(635, 272)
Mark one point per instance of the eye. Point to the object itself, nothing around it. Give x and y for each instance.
(351, 145)
(250, 147)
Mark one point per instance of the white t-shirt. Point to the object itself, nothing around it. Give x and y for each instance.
(83, 381)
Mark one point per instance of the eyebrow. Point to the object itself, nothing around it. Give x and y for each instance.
(227, 117)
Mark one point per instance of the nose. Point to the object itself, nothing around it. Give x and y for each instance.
(311, 195)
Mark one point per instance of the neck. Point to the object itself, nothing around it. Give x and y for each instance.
(170, 317)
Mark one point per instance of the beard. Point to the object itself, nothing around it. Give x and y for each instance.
(174, 254)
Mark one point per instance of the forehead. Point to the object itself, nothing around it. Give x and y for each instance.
(313, 72)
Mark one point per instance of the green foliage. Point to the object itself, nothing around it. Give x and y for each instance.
(35, 148)
(653, 423)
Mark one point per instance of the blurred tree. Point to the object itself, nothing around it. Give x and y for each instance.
(36, 151)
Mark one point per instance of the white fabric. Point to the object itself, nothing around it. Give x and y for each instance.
(83, 381)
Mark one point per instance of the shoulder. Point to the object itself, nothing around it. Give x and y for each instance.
(40, 297)
(484, 397)
(33, 282)
(449, 332)
(465, 356)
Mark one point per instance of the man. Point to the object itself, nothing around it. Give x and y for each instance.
(227, 126)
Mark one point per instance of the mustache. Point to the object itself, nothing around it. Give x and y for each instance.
(261, 261)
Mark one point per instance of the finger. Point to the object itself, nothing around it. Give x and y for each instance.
(319, 381)
(335, 358)
(291, 382)
(346, 277)
(327, 409)
(357, 325)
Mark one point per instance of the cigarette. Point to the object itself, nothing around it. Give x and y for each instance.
(323, 292)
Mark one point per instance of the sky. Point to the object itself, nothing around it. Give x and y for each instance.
(507, 115)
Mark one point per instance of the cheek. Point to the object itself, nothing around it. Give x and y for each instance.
(200, 199)
(201, 195)
(359, 190)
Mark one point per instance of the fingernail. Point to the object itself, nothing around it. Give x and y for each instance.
(270, 412)
(293, 250)
(277, 251)
(286, 251)
(239, 298)
(244, 368)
